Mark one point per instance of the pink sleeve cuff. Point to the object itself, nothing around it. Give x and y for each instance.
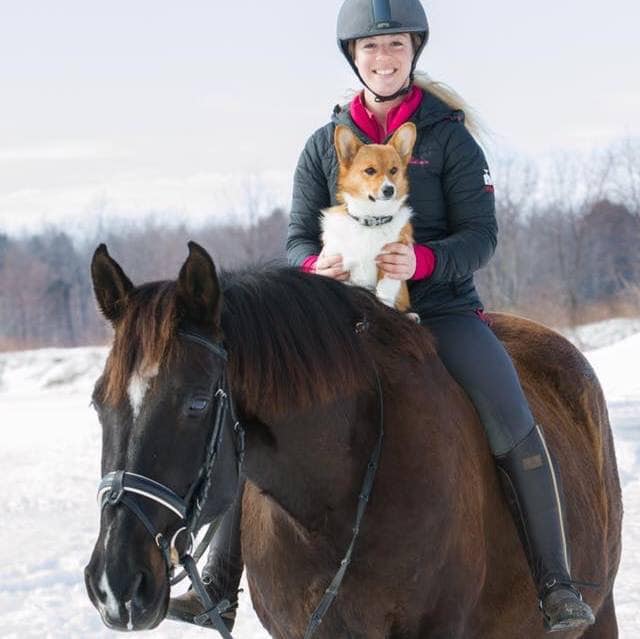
(425, 262)
(309, 264)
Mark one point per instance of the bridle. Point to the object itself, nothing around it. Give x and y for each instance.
(122, 487)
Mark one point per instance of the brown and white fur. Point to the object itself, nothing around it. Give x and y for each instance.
(372, 186)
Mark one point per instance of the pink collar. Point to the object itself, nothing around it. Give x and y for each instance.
(367, 123)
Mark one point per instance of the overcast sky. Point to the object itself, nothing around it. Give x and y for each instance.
(124, 107)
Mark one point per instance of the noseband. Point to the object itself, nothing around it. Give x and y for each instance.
(123, 487)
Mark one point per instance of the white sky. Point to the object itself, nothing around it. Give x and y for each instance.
(125, 107)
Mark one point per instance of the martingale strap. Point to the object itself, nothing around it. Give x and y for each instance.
(363, 499)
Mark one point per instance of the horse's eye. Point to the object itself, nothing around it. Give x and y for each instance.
(370, 171)
(198, 404)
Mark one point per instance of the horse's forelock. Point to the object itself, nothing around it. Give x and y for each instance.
(144, 337)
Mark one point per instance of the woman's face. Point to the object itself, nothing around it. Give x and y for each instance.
(384, 61)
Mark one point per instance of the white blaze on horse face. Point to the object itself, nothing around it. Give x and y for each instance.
(111, 603)
(138, 386)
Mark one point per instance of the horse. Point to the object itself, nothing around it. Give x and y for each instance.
(316, 370)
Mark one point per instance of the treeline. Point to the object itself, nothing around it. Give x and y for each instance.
(568, 253)
(46, 298)
(569, 242)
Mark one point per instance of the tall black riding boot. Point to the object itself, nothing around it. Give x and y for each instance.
(534, 497)
(221, 574)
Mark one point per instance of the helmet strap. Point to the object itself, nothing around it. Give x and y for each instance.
(397, 94)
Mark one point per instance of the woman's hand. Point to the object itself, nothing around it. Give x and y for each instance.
(397, 261)
(332, 266)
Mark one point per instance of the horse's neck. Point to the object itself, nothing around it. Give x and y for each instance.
(311, 464)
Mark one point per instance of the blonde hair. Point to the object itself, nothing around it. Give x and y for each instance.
(441, 91)
(452, 99)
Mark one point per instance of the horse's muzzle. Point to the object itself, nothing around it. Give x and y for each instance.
(128, 597)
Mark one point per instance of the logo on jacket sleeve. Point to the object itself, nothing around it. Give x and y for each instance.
(488, 181)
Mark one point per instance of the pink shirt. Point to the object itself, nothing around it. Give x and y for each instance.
(400, 114)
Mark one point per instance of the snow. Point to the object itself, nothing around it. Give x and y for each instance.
(599, 334)
(50, 464)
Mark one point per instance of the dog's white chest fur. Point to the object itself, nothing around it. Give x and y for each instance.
(358, 244)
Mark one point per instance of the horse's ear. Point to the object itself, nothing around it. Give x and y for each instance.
(199, 295)
(110, 284)
(347, 145)
(403, 140)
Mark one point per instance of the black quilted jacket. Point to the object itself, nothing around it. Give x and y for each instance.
(450, 193)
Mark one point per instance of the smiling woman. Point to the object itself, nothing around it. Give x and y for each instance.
(454, 226)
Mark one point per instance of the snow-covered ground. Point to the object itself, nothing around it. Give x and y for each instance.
(49, 467)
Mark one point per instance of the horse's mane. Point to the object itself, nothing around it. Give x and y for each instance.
(298, 339)
(293, 339)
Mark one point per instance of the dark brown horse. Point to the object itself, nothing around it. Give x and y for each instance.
(438, 555)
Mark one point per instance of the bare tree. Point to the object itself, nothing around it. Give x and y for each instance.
(626, 179)
(502, 282)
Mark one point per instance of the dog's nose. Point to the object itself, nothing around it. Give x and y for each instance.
(388, 191)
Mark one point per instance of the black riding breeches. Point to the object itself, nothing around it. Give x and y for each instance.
(478, 361)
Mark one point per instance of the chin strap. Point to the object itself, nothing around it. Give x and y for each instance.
(397, 94)
(388, 98)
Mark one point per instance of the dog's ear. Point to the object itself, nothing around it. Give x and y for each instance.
(347, 145)
(403, 140)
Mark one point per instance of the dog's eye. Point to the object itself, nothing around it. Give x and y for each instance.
(394, 170)
(370, 171)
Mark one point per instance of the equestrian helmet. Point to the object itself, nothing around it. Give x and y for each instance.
(365, 18)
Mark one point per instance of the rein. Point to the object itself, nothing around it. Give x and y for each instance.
(121, 487)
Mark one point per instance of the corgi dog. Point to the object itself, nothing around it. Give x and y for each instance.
(372, 190)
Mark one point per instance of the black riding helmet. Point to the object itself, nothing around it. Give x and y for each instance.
(364, 18)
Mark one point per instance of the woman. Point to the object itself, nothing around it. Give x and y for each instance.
(455, 232)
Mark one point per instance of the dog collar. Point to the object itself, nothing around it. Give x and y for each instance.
(372, 220)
